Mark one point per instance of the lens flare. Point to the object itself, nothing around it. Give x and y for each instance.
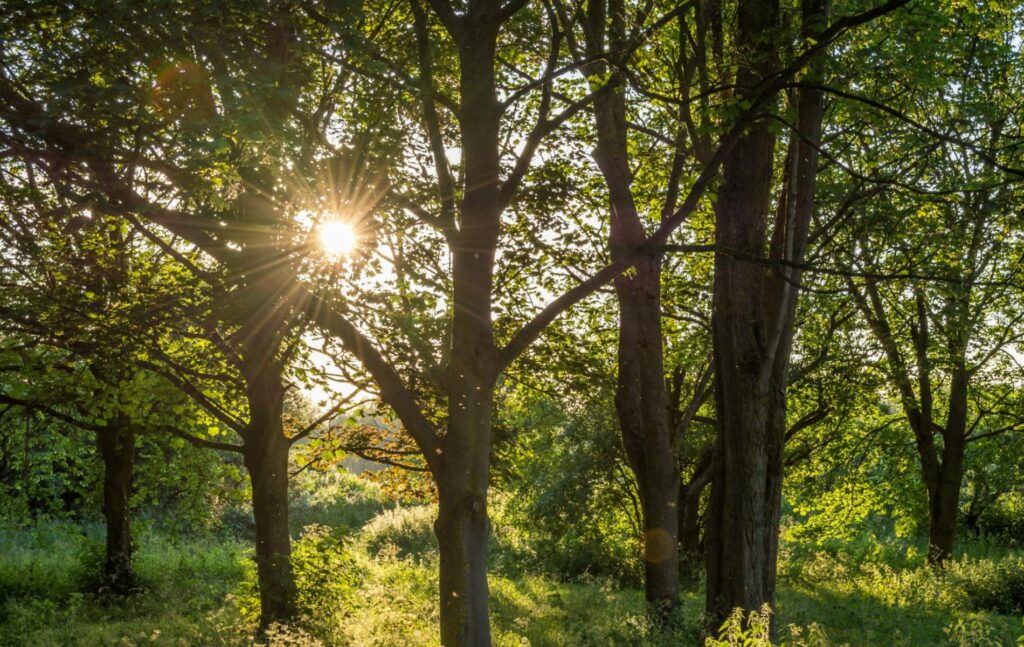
(337, 238)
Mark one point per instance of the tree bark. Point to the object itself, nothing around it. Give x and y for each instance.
(754, 306)
(944, 494)
(690, 555)
(691, 547)
(641, 398)
(463, 471)
(116, 444)
(462, 528)
(265, 453)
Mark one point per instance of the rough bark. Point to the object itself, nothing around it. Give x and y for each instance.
(752, 325)
(462, 473)
(116, 444)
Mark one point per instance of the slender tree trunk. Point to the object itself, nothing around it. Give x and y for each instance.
(641, 399)
(690, 553)
(944, 494)
(116, 443)
(265, 452)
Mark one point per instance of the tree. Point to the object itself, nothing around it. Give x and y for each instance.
(934, 259)
(752, 320)
(228, 154)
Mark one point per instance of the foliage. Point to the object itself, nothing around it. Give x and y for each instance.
(569, 502)
(402, 532)
(754, 630)
(199, 590)
(165, 167)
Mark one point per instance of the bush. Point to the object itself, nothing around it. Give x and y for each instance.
(402, 532)
(45, 598)
(327, 579)
(43, 561)
(992, 585)
(754, 630)
(333, 498)
(973, 631)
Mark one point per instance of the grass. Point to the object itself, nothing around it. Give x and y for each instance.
(376, 586)
(45, 576)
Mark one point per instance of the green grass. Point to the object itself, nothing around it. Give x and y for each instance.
(46, 574)
(377, 587)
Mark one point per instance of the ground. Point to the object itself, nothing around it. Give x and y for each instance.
(374, 584)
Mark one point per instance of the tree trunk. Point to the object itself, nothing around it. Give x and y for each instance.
(943, 507)
(463, 468)
(690, 553)
(752, 322)
(116, 444)
(743, 515)
(944, 494)
(641, 398)
(265, 453)
(742, 531)
(462, 526)
(641, 401)
(462, 529)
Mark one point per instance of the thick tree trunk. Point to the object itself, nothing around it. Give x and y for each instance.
(462, 526)
(462, 530)
(943, 508)
(745, 501)
(265, 452)
(752, 323)
(642, 405)
(116, 444)
(743, 516)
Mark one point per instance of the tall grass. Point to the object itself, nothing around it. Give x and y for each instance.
(375, 583)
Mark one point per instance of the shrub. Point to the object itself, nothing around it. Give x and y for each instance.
(402, 532)
(333, 498)
(327, 579)
(992, 585)
(973, 631)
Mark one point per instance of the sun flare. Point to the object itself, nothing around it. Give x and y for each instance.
(337, 238)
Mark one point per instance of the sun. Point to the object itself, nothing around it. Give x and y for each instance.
(337, 238)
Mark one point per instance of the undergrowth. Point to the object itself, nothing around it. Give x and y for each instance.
(375, 584)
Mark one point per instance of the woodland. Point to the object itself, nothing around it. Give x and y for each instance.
(512, 322)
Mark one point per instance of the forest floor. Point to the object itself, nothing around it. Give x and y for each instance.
(375, 585)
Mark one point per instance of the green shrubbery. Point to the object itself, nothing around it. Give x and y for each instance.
(376, 583)
(333, 498)
(990, 584)
(402, 532)
(46, 595)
